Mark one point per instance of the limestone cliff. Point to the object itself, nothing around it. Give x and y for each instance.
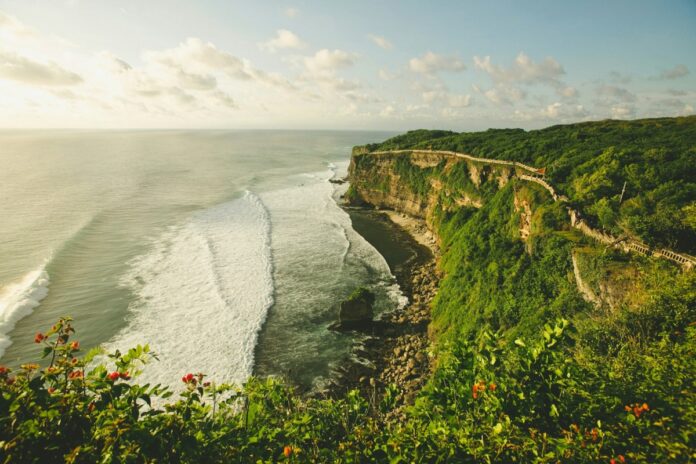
(418, 183)
(425, 185)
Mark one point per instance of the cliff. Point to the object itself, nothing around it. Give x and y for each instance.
(452, 191)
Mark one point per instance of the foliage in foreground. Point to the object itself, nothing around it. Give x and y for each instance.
(489, 401)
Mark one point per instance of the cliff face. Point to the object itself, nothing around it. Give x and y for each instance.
(418, 184)
(441, 188)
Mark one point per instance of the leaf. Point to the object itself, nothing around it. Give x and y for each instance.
(554, 411)
(519, 342)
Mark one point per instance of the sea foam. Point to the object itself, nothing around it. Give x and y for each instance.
(202, 294)
(18, 300)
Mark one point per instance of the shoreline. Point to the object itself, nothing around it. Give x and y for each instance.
(398, 353)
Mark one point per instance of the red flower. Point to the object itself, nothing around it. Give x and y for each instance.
(612, 461)
(621, 458)
(477, 387)
(114, 376)
(51, 390)
(188, 378)
(39, 337)
(3, 370)
(287, 451)
(637, 409)
(124, 375)
(75, 375)
(75, 346)
(594, 434)
(492, 386)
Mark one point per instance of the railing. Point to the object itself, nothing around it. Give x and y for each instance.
(541, 182)
(533, 175)
(461, 155)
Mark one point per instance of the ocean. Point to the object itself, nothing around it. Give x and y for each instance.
(225, 251)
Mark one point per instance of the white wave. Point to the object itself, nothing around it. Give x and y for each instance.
(18, 300)
(202, 295)
(319, 231)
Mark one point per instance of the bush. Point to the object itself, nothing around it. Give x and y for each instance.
(488, 401)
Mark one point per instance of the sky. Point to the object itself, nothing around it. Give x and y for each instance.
(382, 65)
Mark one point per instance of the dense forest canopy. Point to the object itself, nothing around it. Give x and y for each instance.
(589, 162)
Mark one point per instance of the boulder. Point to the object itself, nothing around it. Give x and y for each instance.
(356, 312)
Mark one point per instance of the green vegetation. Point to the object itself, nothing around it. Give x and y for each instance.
(490, 278)
(526, 371)
(415, 177)
(361, 294)
(589, 162)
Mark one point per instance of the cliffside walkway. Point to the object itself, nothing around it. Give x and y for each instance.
(533, 174)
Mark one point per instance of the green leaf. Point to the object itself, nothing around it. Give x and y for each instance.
(554, 411)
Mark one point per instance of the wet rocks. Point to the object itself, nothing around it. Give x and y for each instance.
(356, 312)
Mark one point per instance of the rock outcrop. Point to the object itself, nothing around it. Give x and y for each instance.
(356, 313)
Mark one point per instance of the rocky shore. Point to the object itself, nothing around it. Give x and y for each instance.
(398, 353)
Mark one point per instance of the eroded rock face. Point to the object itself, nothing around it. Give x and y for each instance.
(356, 313)
(376, 182)
(525, 210)
(357, 308)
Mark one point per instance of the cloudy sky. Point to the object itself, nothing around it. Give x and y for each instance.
(400, 65)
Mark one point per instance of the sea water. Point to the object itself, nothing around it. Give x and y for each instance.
(225, 251)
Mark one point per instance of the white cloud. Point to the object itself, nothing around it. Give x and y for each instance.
(459, 101)
(12, 25)
(676, 72)
(224, 99)
(292, 12)
(523, 70)
(671, 107)
(380, 41)
(194, 58)
(568, 92)
(623, 112)
(613, 93)
(27, 71)
(112, 62)
(431, 63)
(445, 98)
(553, 110)
(284, 39)
(387, 111)
(386, 75)
(558, 110)
(326, 62)
(619, 78)
(503, 94)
